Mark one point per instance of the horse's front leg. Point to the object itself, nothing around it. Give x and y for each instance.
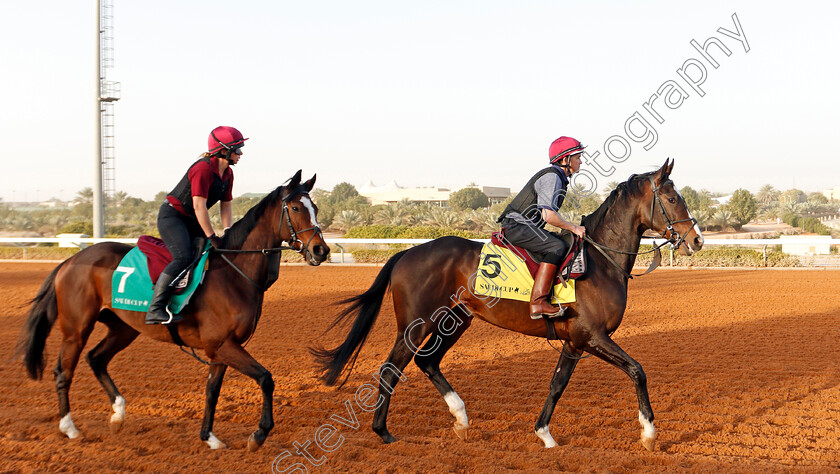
(214, 386)
(232, 354)
(605, 348)
(565, 366)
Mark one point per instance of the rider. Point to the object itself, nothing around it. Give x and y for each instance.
(538, 202)
(184, 214)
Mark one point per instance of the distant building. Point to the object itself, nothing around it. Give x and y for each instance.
(791, 246)
(833, 193)
(393, 192)
(437, 196)
(721, 201)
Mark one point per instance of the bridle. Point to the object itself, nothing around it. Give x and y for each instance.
(294, 240)
(669, 224)
(670, 235)
(295, 243)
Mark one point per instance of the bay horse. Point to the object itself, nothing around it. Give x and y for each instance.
(432, 288)
(221, 316)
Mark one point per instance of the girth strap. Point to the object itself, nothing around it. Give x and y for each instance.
(550, 332)
(173, 331)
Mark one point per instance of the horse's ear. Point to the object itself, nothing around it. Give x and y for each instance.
(670, 167)
(308, 185)
(294, 181)
(663, 172)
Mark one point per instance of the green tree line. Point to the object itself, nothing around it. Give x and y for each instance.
(343, 209)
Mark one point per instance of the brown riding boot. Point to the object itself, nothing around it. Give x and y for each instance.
(541, 294)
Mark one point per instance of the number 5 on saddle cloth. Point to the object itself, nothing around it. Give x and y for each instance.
(507, 271)
(134, 279)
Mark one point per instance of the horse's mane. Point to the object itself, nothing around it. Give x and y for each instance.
(630, 188)
(239, 231)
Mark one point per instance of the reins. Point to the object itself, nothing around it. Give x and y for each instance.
(657, 254)
(293, 240)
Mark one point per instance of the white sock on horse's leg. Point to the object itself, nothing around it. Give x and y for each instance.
(459, 410)
(119, 411)
(546, 437)
(67, 427)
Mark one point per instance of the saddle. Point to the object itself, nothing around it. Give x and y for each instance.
(572, 267)
(158, 257)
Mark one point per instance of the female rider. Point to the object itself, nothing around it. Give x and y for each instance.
(184, 215)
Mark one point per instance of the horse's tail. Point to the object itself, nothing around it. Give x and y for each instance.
(41, 318)
(332, 362)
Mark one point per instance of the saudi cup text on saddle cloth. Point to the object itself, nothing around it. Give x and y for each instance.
(132, 287)
(502, 274)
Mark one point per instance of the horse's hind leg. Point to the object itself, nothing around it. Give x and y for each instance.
(429, 357)
(605, 348)
(565, 366)
(391, 372)
(71, 348)
(119, 336)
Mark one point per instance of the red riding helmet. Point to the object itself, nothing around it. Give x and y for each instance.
(563, 147)
(224, 138)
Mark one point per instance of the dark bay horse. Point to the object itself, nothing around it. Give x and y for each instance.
(432, 287)
(221, 316)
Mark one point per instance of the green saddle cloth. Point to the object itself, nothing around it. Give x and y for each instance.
(132, 288)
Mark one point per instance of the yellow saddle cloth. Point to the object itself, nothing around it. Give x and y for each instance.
(502, 274)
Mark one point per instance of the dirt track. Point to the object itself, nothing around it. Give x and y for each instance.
(742, 368)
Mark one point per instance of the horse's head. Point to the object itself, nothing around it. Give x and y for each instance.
(299, 223)
(668, 214)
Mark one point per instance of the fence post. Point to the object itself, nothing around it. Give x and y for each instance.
(671, 251)
(765, 255)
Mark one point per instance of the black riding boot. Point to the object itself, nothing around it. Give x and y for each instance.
(158, 313)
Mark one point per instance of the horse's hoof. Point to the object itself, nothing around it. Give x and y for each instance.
(460, 431)
(116, 425)
(545, 436)
(67, 427)
(214, 442)
(253, 444)
(386, 436)
(649, 443)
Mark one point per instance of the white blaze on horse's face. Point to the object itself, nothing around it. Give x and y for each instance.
(311, 207)
(688, 249)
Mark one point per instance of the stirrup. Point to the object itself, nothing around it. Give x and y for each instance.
(173, 318)
(560, 311)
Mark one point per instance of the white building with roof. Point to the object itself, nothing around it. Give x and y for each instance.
(393, 192)
(438, 196)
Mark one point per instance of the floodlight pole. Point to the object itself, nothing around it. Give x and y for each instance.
(98, 211)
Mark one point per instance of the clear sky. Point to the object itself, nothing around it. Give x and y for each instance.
(425, 93)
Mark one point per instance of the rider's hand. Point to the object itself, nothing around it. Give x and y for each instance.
(215, 241)
(579, 231)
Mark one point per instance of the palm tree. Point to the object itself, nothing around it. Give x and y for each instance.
(704, 216)
(791, 207)
(346, 220)
(84, 196)
(723, 218)
(767, 194)
(392, 214)
(441, 218)
(484, 220)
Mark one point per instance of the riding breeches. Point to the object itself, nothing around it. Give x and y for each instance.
(546, 245)
(177, 232)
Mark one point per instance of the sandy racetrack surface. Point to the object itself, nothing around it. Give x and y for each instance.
(742, 369)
